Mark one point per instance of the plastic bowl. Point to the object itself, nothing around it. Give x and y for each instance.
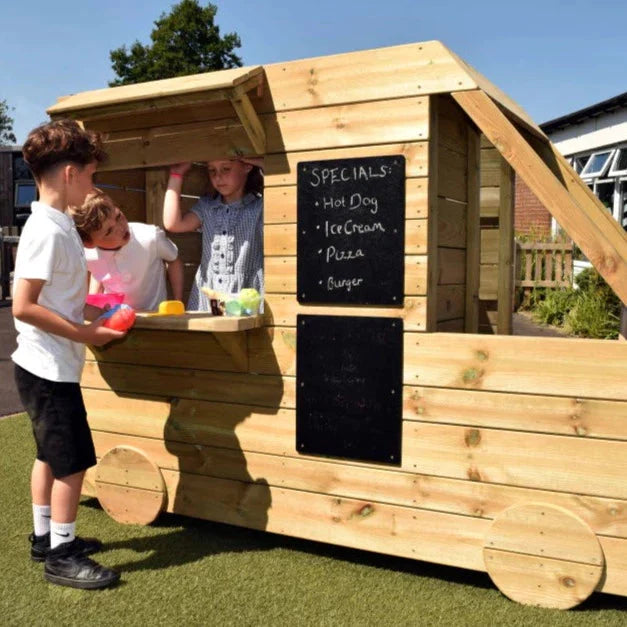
(100, 300)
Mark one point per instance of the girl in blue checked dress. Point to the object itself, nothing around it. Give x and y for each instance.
(231, 223)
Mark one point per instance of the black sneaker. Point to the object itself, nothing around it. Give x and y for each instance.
(40, 546)
(67, 567)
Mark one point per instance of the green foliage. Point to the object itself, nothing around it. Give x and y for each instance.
(6, 125)
(184, 41)
(592, 310)
(553, 306)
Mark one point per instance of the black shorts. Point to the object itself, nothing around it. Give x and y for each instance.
(59, 422)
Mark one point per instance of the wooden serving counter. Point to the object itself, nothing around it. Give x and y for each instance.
(197, 321)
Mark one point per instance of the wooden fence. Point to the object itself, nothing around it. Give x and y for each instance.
(9, 238)
(545, 264)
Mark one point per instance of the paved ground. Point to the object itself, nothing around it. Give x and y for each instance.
(9, 400)
(523, 324)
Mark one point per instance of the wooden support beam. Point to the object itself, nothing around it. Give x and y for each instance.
(586, 227)
(473, 233)
(156, 184)
(236, 345)
(505, 284)
(432, 232)
(579, 190)
(249, 118)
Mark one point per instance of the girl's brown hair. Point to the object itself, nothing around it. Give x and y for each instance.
(59, 142)
(90, 216)
(253, 185)
(254, 182)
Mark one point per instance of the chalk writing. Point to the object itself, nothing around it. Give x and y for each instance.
(351, 217)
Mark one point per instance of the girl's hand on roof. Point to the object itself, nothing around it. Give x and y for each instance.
(180, 169)
(257, 161)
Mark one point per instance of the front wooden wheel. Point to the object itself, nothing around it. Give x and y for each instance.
(539, 554)
(129, 486)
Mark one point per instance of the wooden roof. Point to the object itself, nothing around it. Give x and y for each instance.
(375, 75)
(133, 95)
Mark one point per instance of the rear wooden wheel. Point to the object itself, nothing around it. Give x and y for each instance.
(129, 486)
(539, 554)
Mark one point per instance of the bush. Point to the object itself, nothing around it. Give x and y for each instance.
(592, 310)
(553, 306)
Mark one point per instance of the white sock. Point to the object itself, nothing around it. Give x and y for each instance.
(61, 533)
(41, 519)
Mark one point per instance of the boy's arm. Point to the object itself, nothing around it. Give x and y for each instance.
(27, 309)
(173, 218)
(175, 276)
(91, 312)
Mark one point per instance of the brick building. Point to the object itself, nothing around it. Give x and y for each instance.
(594, 140)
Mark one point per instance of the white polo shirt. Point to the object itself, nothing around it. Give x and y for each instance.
(50, 249)
(136, 269)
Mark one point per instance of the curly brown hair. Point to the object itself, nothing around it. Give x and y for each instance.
(90, 216)
(59, 142)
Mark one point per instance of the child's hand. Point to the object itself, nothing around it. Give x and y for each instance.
(98, 335)
(180, 169)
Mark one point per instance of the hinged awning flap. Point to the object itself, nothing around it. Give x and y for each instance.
(137, 97)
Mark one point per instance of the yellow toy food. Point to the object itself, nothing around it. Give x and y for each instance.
(171, 307)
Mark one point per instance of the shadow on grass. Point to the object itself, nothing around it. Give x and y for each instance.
(185, 540)
(191, 539)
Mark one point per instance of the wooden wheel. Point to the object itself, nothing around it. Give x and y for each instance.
(543, 555)
(129, 486)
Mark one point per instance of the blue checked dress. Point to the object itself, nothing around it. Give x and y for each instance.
(232, 247)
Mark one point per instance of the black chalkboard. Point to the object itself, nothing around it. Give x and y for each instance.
(351, 231)
(349, 387)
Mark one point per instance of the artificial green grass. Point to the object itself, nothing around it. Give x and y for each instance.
(183, 571)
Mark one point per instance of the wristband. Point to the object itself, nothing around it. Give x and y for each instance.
(176, 175)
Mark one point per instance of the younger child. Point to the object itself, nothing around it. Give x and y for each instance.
(231, 224)
(48, 306)
(127, 257)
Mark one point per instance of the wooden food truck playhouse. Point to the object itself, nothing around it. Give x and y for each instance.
(363, 407)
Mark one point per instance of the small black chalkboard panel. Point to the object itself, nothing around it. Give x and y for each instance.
(349, 387)
(351, 231)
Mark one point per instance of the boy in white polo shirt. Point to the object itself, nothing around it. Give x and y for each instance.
(127, 257)
(49, 309)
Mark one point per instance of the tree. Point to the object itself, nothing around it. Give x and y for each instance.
(6, 125)
(185, 41)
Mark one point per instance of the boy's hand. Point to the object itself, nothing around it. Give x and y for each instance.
(98, 335)
(180, 169)
(91, 312)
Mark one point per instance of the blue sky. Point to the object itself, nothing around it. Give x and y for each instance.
(552, 57)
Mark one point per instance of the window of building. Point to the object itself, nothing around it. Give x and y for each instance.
(604, 190)
(579, 163)
(622, 219)
(619, 163)
(25, 193)
(597, 164)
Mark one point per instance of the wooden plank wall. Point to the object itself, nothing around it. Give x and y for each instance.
(484, 425)
(490, 201)
(449, 210)
(497, 242)
(479, 434)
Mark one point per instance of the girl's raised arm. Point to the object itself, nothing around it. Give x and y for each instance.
(173, 218)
